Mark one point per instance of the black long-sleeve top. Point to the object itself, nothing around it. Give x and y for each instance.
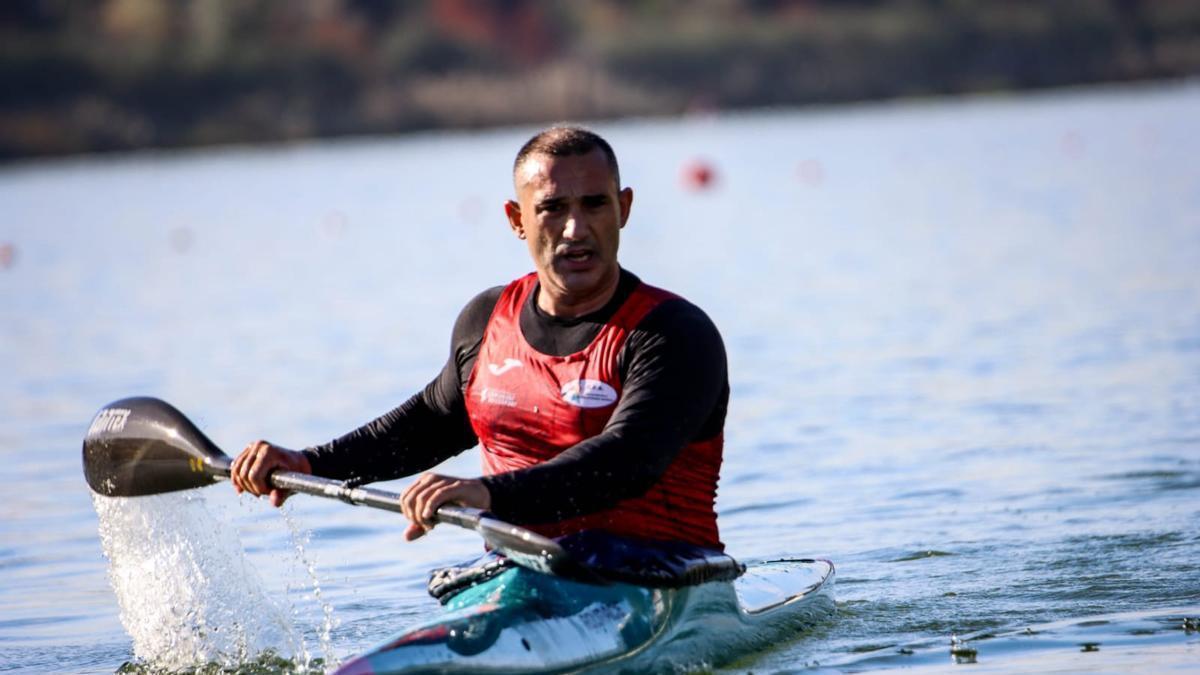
(675, 391)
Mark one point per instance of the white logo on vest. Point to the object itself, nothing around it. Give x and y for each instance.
(498, 397)
(509, 364)
(589, 393)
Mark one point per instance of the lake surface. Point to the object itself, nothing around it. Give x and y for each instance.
(964, 346)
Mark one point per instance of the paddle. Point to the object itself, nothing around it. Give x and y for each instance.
(143, 446)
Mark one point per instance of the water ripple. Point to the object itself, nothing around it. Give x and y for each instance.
(766, 506)
(921, 555)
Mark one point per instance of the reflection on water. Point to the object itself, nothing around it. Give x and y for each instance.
(964, 341)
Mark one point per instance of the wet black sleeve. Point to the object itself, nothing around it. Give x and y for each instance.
(676, 390)
(426, 429)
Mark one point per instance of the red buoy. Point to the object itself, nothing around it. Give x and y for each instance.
(8, 255)
(698, 175)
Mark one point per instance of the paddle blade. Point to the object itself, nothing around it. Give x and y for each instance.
(144, 446)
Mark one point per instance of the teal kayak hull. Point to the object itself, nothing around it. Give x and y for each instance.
(526, 622)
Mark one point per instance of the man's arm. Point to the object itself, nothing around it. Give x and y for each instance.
(676, 390)
(427, 429)
(415, 436)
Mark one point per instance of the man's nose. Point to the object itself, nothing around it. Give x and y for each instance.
(576, 226)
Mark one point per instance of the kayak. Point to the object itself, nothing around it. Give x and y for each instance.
(522, 621)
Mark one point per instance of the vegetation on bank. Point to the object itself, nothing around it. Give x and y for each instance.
(124, 74)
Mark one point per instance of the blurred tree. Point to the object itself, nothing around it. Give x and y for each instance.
(113, 74)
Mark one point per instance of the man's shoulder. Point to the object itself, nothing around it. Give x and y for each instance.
(473, 318)
(668, 303)
(676, 337)
(485, 299)
(676, 317)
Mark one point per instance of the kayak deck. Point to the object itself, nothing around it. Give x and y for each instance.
(525, 622)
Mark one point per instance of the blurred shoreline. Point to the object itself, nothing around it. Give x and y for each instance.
(122, 75)
(259, 145)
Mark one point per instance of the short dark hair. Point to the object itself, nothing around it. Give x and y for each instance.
(565, 141)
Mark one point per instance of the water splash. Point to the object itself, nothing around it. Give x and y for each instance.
(300, 539)
(188, 597)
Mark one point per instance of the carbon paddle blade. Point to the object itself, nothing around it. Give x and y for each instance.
(144, 446)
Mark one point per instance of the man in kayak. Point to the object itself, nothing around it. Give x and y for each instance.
(598, 401)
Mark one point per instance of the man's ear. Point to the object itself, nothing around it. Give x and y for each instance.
(513, 211)
(625, 197)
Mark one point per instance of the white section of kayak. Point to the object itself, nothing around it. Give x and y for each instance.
(539, 624)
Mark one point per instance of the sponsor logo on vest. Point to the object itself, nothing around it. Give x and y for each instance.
(509, 364)
(498, 397)
(589, 393)
(109, 420)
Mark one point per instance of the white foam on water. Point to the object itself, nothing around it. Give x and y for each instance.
(187, 594)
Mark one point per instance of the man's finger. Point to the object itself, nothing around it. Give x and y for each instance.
(239, 469)
(406, 501)
(414, 532)
(416, 494)
(439, 495)
(248, 473)
(278, 497)
(415, 500)
(421, 506)
(259, 470)
(233, 473)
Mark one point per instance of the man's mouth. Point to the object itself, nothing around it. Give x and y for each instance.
(576, 255)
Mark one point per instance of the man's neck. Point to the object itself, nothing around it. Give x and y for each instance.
(566, 306)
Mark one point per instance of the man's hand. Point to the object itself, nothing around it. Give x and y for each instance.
(252, 466)
(422, 499)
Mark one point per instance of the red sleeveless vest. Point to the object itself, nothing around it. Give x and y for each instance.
(526, 407)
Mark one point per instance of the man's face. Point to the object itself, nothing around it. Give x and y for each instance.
(570, 214)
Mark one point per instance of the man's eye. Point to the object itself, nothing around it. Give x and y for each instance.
(595, 202)
(552, 207)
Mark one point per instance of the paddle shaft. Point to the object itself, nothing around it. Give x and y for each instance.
(462, 516)
(522, 546)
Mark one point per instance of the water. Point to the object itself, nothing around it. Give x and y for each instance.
(964, 341)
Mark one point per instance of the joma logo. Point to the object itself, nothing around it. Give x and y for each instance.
(109, 420)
